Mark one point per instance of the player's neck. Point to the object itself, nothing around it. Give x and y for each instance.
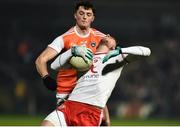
(82, 31)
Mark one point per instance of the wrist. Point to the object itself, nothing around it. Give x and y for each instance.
(73, 50)
(49, 82)
(119, 49)
(45, 76)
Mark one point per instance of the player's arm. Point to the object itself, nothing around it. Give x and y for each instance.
(43, 58)
(105, 118)
(41, 66)
(128, 54)
(63, 58)
(135, 52)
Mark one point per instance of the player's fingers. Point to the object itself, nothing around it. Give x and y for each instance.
(90, 50)
(105, 58)
(85, 59)
(89, 55)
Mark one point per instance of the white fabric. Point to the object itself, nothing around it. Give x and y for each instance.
(137, 50)
(57, 44)
(83, 36)
(93, 87)
(61, 60)
(56, 118)
(63, 96)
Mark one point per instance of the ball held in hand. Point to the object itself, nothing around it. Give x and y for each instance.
(80, 64)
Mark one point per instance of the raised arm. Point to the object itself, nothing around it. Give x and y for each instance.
(118, 58)
(135, 52)
(81, 51)
(127, 54)
(61, 60)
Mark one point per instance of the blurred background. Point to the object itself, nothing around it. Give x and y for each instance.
(149, 88)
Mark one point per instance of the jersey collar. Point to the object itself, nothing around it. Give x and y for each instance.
(83, 36)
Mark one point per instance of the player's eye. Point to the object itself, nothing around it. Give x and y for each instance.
(89, 14)
(81, 13)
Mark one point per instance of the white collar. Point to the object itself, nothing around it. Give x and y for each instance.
(83, 36)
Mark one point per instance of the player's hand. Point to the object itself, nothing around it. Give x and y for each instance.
(83, 52)
(49, 82)
(112, 53)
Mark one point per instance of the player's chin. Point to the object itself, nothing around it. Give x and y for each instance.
(84, 26)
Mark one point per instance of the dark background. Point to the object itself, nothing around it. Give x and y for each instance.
(152, 84)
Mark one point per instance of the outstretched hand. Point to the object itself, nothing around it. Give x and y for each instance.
(83, 52)
(112, 53)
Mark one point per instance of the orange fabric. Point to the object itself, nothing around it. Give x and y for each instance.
(79, 114)
(66, 78)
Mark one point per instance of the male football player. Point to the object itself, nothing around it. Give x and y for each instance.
(85, 103)
(78, 35)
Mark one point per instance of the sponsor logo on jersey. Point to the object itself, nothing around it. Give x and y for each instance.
(90, 77)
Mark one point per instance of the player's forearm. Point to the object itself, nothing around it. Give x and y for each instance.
(41, 66)
(134, 53)
(61, 60)
(136, 50)
(43, 58)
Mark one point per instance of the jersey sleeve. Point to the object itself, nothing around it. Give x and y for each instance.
(130, 54)
(61, 60)
(116, 59)
(57, 44)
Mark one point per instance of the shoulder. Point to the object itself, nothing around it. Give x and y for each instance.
(69, 32)
(97, 32)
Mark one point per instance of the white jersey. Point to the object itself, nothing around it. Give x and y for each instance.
(94, 88)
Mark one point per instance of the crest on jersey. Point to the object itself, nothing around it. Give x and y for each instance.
(93, 44)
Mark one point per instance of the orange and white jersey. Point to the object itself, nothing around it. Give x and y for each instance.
(67, 77)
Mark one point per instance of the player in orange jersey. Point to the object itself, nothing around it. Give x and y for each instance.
(80, 34)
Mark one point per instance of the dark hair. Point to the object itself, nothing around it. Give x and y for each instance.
(86, 4)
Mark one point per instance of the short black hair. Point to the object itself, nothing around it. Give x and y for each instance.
(86, 4)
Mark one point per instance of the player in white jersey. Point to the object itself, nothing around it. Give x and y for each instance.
(88, 98)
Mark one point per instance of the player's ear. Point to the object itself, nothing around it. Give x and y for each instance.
(93, 18)
(75, 16)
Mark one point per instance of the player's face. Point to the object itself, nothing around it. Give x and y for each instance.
(110, 42)
(84, 17)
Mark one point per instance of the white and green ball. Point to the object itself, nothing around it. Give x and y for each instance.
(79, 64)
